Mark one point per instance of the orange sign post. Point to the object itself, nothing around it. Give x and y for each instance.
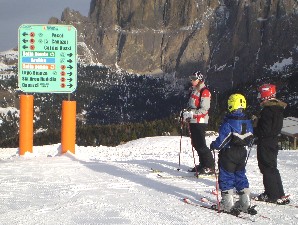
(26, 124)
(68, 126)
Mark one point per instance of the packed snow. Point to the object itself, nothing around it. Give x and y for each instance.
(115, 185)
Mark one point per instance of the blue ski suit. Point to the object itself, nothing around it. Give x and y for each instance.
(235, 133)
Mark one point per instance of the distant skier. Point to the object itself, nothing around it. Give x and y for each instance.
(235, 133)
(197, 116)
(268, 127)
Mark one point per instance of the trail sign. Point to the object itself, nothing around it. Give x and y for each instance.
(47, 58)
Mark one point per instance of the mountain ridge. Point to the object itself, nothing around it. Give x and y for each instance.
(230, 41)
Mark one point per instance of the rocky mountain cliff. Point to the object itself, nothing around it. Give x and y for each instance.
(232, 41)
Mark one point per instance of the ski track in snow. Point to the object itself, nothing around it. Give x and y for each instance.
(115, 185)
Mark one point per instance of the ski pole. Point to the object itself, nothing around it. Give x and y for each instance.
(216, 182)
(250, 147)
(181, 132)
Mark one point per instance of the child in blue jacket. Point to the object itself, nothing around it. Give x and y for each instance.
(235, 133)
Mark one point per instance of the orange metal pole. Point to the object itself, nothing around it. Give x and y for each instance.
(26, 124)
(68, 127)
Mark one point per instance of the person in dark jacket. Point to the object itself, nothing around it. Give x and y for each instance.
(235, 133)
(268, 127)
(197, 117)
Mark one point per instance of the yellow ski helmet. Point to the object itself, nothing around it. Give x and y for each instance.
(236, 101)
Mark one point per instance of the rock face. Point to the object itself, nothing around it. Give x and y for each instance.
(232, 41)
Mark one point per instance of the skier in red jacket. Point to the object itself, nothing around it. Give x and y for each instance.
(197, 116)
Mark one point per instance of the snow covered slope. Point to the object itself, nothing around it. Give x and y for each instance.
(115, 185)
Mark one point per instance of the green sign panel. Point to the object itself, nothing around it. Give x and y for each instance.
(47, 58)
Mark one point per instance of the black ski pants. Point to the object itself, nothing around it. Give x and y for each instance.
(267, 151)
(197, 135)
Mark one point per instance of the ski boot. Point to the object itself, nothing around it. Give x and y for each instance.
(227, 200)
(284, 200)
(244, 202)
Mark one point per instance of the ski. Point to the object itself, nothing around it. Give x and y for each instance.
(166, 176)
(205, 200)
(190, 171)
(155, 171)
(250, 216)
(161, 174)
(264, 202)
(208, 205)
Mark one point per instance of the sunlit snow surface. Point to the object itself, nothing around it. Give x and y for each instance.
(114, 185)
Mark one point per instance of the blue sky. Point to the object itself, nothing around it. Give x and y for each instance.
(13, 13)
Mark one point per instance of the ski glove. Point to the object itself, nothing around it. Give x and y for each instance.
(187, 115)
